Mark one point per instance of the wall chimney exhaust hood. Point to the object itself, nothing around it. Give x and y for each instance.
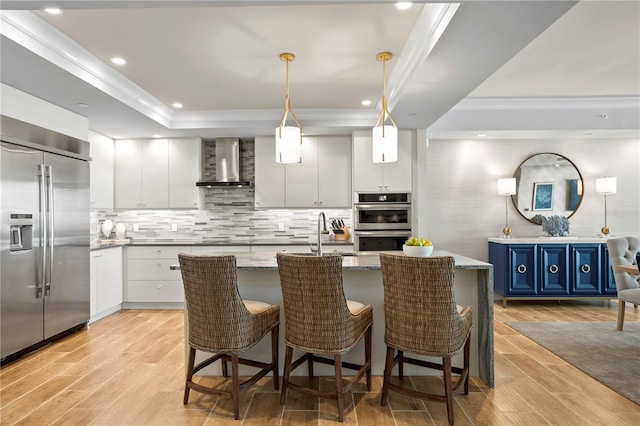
(227, 166)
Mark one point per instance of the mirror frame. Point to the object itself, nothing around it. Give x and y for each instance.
(517, 175)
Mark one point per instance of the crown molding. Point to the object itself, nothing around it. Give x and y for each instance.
(35, 34)
(545, 103)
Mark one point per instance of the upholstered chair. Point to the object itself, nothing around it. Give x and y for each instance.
(320, 321)
(221, 323)
(421, 317)
(622, 251)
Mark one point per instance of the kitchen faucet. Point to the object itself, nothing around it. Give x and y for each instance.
(324, 231)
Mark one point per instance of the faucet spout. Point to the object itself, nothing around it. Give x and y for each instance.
(323, 231)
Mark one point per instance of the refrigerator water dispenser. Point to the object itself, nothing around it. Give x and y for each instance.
(21, 232)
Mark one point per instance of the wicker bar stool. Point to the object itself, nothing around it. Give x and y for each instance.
(319, 320)
(220, 322)
(421, 317)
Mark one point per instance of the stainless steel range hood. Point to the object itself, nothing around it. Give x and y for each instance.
(227, 165)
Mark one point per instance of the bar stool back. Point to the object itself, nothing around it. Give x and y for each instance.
(319, 320)
(421, 317)
(220, 322)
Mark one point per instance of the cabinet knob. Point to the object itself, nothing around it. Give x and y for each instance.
(521, 269)
(553, 269)
(585, 269)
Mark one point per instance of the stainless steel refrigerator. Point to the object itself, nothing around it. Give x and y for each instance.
(44, 236)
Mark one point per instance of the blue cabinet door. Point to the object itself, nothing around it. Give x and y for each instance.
(554, 271)
(522, 270)
(586, 272)
(608, 282)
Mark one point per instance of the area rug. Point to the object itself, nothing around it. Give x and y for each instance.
(609, 356)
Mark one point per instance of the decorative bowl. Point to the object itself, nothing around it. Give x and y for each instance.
(417, 250)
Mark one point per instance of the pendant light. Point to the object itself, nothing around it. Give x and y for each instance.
(288, 138)
(385, 136)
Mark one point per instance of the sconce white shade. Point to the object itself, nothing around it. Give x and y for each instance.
(385, 149)
(288, 147)
(507, 186)
(606, 185)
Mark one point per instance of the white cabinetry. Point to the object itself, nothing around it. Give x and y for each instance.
(102, 153)
(156, 173)
(321, 180)
(269, 180)
(149, 277)
(105, 282)
(375, 177)
(184, 171)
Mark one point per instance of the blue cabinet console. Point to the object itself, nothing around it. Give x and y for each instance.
(538, 268)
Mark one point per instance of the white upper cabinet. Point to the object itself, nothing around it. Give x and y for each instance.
(184, 172)
(154, 173)
(269, 175)
(323, 178)
(374, 177)
(101, 171)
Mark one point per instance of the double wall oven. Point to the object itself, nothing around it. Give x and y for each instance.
(382, 220)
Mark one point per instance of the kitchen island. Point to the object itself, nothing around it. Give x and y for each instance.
(258, 279)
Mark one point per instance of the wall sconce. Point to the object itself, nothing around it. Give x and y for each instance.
(506, 187)
(288, 138)
(385, 136)
(605, 186)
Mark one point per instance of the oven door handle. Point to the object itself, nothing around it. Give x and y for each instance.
(382, 206)
(383, 233)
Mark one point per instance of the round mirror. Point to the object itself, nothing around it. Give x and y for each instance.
(547, 184)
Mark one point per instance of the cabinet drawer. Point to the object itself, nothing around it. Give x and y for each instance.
(159, 252)
(155, 291)
(281, 248)
(148, 269)
(205, 250)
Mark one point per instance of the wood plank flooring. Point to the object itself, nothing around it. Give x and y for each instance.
(128, 369)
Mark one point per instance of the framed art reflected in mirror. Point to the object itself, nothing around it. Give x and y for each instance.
(547, 184)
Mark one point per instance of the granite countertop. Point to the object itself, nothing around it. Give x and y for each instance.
(362, 261)
(103, 244)
(543, 239)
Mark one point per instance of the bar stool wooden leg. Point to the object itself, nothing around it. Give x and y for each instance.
(235, 382)
(401, 364)
(367, 356)
(287, 372)
(190, 362)
(388, 366)
(274, 356)
(448, 387)
(467, 351)
(339, 395)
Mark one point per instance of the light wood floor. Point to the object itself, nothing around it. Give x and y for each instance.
(128, 369)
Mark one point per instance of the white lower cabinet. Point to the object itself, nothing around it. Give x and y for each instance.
(149, 277)
(105, 282)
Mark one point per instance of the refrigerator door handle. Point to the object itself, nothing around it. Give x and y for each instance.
(50, 210)
(42, 234)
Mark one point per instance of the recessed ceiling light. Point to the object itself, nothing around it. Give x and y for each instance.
(53, 10)
(157, 136)
(82, 105)
(482, 135)
(118, 61)
(402, 5)
(177, 105)
(366, 102)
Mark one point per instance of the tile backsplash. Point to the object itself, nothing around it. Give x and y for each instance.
(228, 215)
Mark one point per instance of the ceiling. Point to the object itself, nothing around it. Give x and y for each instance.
(220, 59)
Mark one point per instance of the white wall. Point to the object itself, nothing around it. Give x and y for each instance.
(457, 184)
(25, 107)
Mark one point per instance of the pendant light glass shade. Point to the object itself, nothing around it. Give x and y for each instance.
(288, 147)
(288, 138)
(385, 135)
(385, 144)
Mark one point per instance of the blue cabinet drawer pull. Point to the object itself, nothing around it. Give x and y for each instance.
(585, 268)
(521, 269)
(553, 269)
